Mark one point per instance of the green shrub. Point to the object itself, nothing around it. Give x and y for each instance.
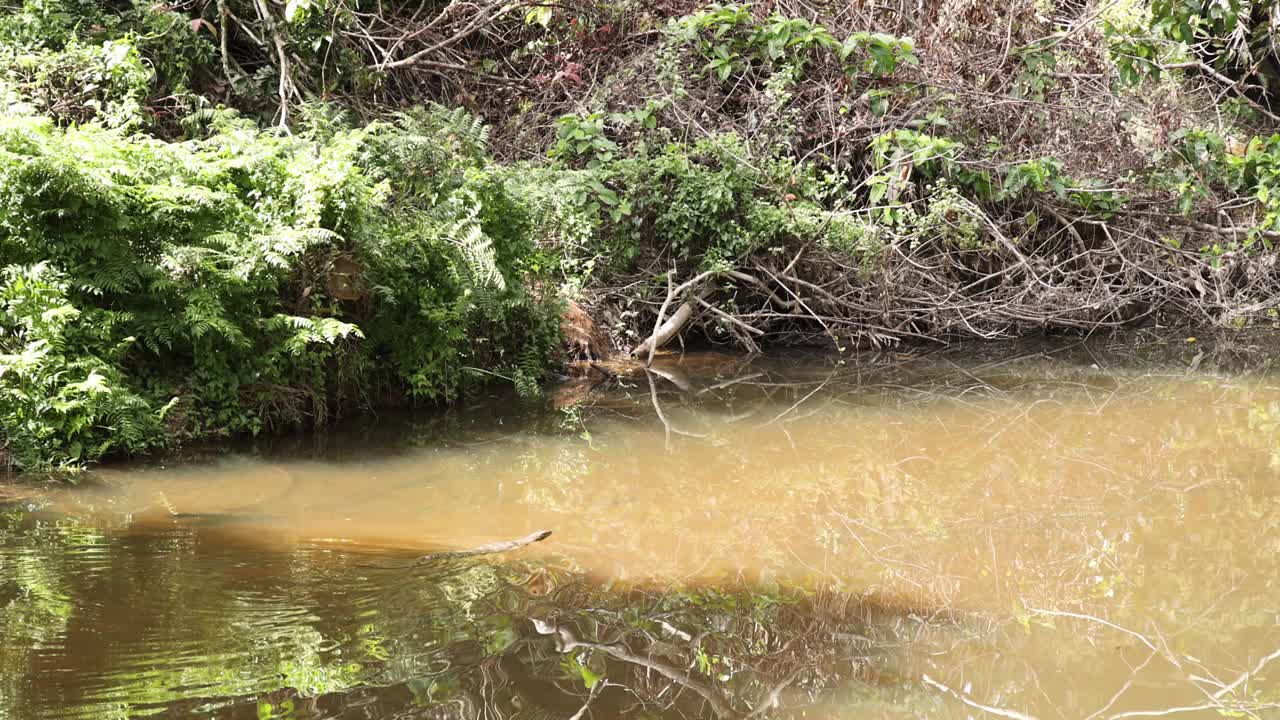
(1203, 165)
(731, 42)
(80, 82)
(707, 204)
(453, 258)
(1234, 36)
(63, 398)
(76, 60)
(880, 53)
(204, 273)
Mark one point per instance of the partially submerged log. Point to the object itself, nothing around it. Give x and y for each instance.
(669, 329)
(480, 550)
(487, 549)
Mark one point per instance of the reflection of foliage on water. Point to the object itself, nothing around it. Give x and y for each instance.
(282, 640)
(57, 578)
(1029, 513)
(532, 640)
(34, 606)
(1058, 514)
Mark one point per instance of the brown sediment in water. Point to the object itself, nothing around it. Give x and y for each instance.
(11, 491)
(1014, 526)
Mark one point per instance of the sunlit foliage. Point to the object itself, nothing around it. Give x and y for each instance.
(245, 279)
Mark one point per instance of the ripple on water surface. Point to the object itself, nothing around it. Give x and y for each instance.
(1057, 531)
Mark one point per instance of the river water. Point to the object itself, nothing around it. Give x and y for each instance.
(1054, 530)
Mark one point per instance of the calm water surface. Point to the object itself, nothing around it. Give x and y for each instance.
(1073, 530)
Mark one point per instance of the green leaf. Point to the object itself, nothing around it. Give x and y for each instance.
(879, 189)
(589, 678)
(538, 16)
(295, 10)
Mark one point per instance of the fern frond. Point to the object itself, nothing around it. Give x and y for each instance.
(476, 251)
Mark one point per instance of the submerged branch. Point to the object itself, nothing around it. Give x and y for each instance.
(566, 641)
(1001, 712)
(486, 549)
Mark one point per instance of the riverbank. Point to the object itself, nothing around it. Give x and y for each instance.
(238, 218)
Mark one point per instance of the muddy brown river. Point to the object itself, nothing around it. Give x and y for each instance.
(1084, 530)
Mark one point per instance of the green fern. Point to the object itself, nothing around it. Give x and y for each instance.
(475, 251)
(528, 374)
(140, 271)
(301, 333)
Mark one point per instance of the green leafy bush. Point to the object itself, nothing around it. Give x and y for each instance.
(77, 61)
(63, 397)
(880, 53)
(709, 204)
(902, 156)
(80, 82)
(253, 279)
(1234, 36)
(731, 41)
(583, 137)
(452, 259)
(1204, 165)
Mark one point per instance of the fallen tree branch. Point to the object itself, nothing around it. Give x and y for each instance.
(478, 23)
(751, 346)
(664, 331)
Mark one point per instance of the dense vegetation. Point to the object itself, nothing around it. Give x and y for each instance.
(241, 215)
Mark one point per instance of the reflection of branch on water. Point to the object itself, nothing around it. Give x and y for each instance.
(1215, 701)
(1128, 683)
(731, 382)
(740, 653)
(1081, 616)
(657, 408)
(673, 376)
(1226, 689)
(1002, 712)
(566, 641)
(799, 402)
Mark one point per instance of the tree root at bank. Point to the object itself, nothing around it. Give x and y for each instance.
(1084, 275)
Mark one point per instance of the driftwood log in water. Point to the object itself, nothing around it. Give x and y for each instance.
(488, 549)
(479, 550)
